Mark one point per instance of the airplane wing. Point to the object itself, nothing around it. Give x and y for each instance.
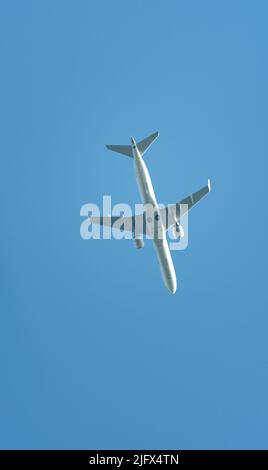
(169, 215)
(126, 224)
(137, 225)
(174, 212)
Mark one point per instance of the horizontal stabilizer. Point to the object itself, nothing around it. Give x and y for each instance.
(144, 144)
(124, 149)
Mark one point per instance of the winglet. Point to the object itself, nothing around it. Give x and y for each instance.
(209, 185)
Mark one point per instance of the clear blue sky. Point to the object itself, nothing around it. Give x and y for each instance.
(94, 351)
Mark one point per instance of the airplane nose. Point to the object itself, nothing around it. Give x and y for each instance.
(133, 141)
(172, 285)
(173, 288)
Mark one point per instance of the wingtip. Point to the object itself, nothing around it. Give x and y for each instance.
(209, 185)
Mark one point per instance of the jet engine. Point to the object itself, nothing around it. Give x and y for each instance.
(178, 231)
(138, 242)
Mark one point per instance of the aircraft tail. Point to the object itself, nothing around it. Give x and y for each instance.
(124, 149)
(143, 145)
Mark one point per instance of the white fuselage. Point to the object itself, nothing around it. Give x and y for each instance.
(160, 240)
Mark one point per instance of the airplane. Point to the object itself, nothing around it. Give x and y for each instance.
(165, 218)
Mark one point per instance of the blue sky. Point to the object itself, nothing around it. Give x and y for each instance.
(94, 351)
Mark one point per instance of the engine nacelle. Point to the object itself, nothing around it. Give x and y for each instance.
(138, 242)
(178, 231)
